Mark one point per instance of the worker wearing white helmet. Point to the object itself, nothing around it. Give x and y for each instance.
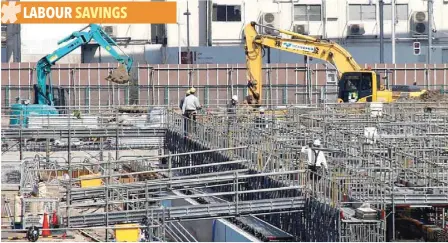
(231, 107)
(316, 160)
(191, 103)
(261, 120)
(190, 107)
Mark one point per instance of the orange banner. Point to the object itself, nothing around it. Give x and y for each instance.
(135, 12)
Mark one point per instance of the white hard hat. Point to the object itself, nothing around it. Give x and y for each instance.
(235, 98)
(316, 142)
(261, 109)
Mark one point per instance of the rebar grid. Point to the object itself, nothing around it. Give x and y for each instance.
(405, 163)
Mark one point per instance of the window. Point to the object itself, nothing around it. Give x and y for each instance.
(226, 13)
(401, 12)
(361, 12)
(307, 13)
(358, 81)
(366, 81)
(444, 55)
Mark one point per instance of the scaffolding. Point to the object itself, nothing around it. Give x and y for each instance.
(381, 163)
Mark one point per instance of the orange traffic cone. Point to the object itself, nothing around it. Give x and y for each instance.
(45, 226)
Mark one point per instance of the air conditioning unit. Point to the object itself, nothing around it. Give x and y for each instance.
(419, 23)
(301, 29)
(110, 30)
(271, 20)
(356, 29)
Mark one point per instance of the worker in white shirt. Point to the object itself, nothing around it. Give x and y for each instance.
(190, 107)
(317, 162)
(18, 210)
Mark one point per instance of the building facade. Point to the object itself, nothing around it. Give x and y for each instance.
(215, 32)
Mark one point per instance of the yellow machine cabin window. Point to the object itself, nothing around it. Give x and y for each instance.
(355, 85)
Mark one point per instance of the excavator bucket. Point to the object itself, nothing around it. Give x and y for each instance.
(119, 75)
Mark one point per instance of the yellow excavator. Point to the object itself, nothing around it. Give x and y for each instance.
(355, 83)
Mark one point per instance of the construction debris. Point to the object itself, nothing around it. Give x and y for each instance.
(132, 109)
(119, 75)
(428, 96)
(433, 96)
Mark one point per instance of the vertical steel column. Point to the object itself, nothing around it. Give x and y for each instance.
(430, 9)
(116, 137)
(70, 172)
(381, 2)
(393, 21)
(190, 59)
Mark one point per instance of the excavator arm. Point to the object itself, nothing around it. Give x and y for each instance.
(75, 40)
(324, 50)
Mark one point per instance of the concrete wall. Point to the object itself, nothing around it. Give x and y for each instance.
(209, 230)
(224, 231)
(12, 52)
(4, 59)
(362, 52)
(40, 40)
(201, 230)
(37, 42)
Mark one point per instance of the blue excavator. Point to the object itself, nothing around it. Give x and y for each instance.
(49, 99)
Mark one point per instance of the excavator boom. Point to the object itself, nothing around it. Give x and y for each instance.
(324, 50)
(47, 97)
(75, 40)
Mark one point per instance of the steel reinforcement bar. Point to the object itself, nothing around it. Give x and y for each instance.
(82, 133)
(190, 212)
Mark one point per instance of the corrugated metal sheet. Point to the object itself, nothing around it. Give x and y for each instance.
(62, 122)
(156, 141)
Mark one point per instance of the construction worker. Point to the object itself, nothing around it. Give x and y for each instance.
(317, 162)
(260, 120)
(231, 107)
(231, 111)
(18, 210)
(181, 104)
(190, 107)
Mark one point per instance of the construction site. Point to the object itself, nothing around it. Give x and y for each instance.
(238, 177)
(105, 152)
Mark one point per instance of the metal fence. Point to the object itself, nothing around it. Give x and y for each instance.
(166, 83)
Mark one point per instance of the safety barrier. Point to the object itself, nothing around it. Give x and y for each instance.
(166, 84)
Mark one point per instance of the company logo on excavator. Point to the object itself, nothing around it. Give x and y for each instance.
(298, 47)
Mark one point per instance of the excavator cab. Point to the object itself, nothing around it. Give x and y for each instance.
(59, 98)
(358, 86)
(362, 86)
